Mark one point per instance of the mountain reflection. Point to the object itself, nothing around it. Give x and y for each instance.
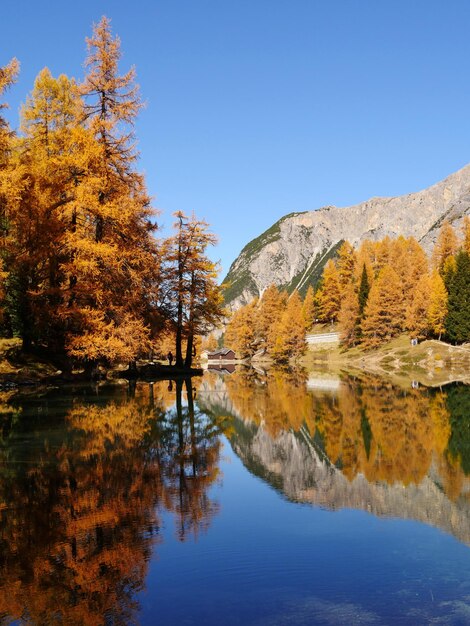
(359, 442)
(83, 481)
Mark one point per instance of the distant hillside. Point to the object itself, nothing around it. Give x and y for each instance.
(294, 250)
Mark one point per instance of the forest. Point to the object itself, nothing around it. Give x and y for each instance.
(84, 277)
(372, 294)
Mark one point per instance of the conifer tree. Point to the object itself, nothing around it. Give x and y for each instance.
(113, 259)
(384, 314)
(346, 264)
(191, 299)
(349, 316)
(329, 294)
(269, 312)
(437, 311)
(8, 74)
(290, 331)
(240, 333)
(410, 262)
(445, 246)
(309, 309)
(364, 289)
(417, 309)
(457, 323)
(466, 234)
(43, 172)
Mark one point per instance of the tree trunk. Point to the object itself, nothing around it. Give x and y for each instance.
(189, 351)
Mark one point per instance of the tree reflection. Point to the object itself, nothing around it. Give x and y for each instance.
(367, 425)
(80, 505)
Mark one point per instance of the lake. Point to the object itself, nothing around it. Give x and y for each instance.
(236, 498)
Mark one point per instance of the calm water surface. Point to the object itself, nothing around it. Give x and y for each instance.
(236, 499)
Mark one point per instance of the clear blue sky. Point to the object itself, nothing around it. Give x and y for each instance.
(257, 108)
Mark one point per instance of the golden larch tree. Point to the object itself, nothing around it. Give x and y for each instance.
(437, 310)
(384, 312)
(346, 265)
(8, 75)
(113, 258)
(445, 247)
(290, 331)
(270, 309)
(416, 321)
(191, 298)
(240, 333)
(329, 294)
(309, 308)
(348, 318)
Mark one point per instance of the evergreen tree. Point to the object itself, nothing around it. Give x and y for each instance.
(364, 289)
(457, 323)
(466, 234)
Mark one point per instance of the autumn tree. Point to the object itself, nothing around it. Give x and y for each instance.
(270, 309)
(445, 247)
(410, 262)
(43, 168)
(191, 299)
(8, 75)
(349, 316)
(437, 310)
(346, 264)
(240, 333)
(384, 314)
(329, 294)
(416, 320)
(309, 308)
(290, 331)
(113, 264)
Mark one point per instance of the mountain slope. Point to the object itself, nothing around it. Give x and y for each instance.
(293, 251)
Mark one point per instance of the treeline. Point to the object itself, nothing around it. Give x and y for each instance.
(373, 294)
(274, 325)
(390, 286)
(82, 274)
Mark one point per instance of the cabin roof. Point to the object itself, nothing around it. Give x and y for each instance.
(221, 352)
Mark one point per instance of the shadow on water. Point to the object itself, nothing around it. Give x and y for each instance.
(85, 475)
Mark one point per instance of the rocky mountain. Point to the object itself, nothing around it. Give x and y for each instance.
(293, 251)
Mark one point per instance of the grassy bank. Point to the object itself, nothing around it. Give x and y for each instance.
(431, 363)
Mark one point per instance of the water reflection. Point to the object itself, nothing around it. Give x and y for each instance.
(87, 476)
(83, 481)
(353, 442)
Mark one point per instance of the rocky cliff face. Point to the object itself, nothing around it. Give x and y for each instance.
(294, 250)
